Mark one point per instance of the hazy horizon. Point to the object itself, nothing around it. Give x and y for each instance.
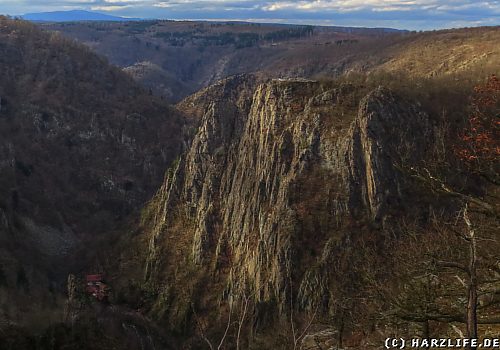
(400, 14)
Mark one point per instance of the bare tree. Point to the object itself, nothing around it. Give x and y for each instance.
(201, 327)
(297, 334)
(245, 301)
(445, 273)
(71, 309)
(472, 287)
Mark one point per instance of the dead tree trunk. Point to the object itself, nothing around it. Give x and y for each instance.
(471, 317)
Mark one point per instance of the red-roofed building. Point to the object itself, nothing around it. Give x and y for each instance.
(96, 287)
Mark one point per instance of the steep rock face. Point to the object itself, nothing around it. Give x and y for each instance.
(386, 133)
(270, 180)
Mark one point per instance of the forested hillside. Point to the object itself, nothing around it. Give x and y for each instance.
(177, 58)
(82, 146)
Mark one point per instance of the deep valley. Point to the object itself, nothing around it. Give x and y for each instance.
(213, 185)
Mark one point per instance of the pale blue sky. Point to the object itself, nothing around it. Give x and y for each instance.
(408, 14)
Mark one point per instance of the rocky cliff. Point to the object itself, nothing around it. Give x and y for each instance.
(278, 179)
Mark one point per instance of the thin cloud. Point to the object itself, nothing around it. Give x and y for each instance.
(410, 14)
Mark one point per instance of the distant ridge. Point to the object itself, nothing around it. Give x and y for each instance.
(72, 16)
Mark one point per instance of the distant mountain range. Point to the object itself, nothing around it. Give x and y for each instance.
(74, 15)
